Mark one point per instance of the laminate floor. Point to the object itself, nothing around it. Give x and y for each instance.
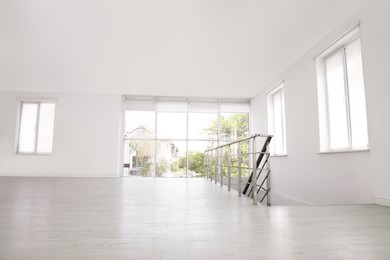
(142, 218)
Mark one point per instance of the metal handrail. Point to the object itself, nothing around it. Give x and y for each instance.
(214, 165)
(238, 141)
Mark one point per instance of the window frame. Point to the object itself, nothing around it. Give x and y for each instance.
(38, 102)
(339, 46)
(193, 105)
(271, 119)
(347, 109)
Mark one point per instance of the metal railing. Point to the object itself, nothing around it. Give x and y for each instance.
(244, 161)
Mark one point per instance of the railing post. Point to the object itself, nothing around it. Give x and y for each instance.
(216, 166)
(254, 172)
(220, 160)
(229, 169)
(207, 164)
(205, 173)
(239, 159)
(210, 166)
(218, 156)
(269, 178)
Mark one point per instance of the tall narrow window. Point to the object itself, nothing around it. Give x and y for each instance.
(343, 117)
(276, 121)
(36, 128)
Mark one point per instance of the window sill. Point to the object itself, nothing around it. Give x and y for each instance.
(278, 155)
(345, 151)
(39, 154)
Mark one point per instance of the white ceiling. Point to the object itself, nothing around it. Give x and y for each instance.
(216, 48)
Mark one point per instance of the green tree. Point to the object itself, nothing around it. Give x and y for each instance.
(179, 165)
(162, 167)
(196, 162)
(232, 127)
(144, 155)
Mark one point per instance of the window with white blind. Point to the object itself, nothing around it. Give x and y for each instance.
(167, 137)
(276, 121)
(36, 127)
(342, 104)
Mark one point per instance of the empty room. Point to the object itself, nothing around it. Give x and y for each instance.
(218, 129)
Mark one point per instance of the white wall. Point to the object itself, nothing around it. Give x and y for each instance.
(86, 137)
(306, 175)
(213, 48)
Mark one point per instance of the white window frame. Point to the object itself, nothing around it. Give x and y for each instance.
(271, 119)
(338, 46)
(38, 102)
(217, 106)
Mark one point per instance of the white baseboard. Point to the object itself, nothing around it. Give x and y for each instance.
(59, 175)
(299, 202)
(382, 201)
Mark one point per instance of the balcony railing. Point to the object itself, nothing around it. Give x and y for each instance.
(229, 162)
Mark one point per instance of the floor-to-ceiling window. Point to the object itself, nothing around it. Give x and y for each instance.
(171, 140)
(167, 137)
(202, 133)
(140, 138)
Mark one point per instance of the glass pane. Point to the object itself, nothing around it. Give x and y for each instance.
(234, 126)
(278, 123)
(270, 120)
(46, 127)
(140, 124)
(171, 158)
(171, 125)
(356, 96)
(196, 157)
(141, 158)
(338, 126)
(203, 125)
(28, 122)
